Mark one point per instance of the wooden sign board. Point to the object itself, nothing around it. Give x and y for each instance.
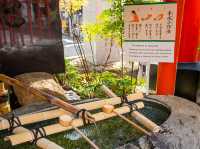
(150, 31)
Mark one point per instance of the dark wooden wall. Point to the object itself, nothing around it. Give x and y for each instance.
(30, 37)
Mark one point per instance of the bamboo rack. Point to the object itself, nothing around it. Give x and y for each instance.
(57, 128)
(42, 116)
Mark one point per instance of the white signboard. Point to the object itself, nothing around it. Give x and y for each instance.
(150, 31)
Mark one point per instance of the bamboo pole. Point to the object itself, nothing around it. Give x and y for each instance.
(110, 109)
(53, 100)
(133, 124)
(57, 128)
(42, 143)
(147, 123)
(153, 127)
(108, 92)
(42, 116)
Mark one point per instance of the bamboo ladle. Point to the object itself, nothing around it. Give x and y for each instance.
(153, 127)
(66, 121)
(110, 109)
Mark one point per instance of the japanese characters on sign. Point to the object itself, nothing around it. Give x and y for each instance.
(150, 31)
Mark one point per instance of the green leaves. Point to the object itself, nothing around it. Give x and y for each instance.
(72, 6)
(109, 23)
(74, 79)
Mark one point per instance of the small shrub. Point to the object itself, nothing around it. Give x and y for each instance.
(72, 78)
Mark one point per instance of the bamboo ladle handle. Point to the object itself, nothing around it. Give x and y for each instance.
(66, 120)
(132, 123)
(85, 137)
(110, 109)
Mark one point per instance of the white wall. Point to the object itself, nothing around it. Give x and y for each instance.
(94, 8)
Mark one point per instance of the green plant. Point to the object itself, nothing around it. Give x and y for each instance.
(72, 6)
(77, 81)
(70, 77)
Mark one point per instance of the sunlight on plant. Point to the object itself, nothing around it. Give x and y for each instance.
(72, 6)
(109, 23)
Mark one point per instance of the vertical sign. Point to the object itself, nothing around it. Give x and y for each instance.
(150, 31)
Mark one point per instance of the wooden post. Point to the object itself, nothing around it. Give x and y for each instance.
(29, 12)
(11, 32)
(38, 14)
(48, 17)
(1, 31)
(166, 78)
